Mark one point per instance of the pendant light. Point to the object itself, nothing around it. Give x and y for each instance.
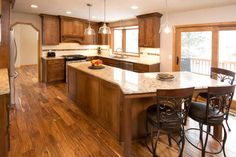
(89, 30)
(166, 27)
(104, 29)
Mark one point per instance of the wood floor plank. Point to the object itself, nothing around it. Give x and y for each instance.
(46, 123)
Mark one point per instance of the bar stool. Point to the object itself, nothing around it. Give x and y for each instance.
(168, 116)
(223, 75)
(212, 113)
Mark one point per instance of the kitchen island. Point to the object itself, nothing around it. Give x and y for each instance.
(117, 98)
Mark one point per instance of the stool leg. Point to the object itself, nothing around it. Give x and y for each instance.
(147, 135)
(200, 136)
(224, 140)
(182, 139)
(169, 140)
(227, 123)
(205, 144)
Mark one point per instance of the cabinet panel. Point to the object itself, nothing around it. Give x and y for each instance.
(53, 70)
(50, 27)
(149, 35)
(71, 27)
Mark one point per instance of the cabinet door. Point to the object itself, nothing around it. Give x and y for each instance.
(55, 70)
(141, 32)
(50, 26)
(67, 27)
(78, 28)
(149, 32)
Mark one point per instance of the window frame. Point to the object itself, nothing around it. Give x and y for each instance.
(135, 54)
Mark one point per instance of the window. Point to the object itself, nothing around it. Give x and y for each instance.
(126, 40)
(117, 39)
(132, 40)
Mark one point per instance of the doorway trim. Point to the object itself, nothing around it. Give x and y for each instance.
(39, 45)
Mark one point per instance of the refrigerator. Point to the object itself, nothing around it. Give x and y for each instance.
(12, 70)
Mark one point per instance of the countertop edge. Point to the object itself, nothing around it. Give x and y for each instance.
(4, 82)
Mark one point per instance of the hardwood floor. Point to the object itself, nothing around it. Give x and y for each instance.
(46, 123)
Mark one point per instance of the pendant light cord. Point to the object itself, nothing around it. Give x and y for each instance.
(166, 13)
(89, 14)
(104, 11)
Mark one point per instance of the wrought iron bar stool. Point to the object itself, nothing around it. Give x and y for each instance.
(168, 116)
(223, 75)
(211, 113)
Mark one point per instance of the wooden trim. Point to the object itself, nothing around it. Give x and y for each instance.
(217, 24)
(124, 40)
(39, 45)
(156, 14)
(215, 48)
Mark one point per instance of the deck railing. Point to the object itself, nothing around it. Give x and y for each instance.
(203, 66)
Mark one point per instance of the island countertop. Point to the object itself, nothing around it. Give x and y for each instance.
(139, 83)
(4, 82)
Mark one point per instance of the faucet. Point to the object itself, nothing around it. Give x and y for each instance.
(121, 50)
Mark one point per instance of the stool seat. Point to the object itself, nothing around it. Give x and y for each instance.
(167, 121)
(198, 110)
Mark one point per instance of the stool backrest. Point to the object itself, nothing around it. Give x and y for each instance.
(223, 75)
(219, 101)
(174, 102)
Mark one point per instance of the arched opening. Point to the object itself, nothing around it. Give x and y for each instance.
(28, 45)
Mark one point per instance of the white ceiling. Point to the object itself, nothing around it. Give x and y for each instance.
(116, 9)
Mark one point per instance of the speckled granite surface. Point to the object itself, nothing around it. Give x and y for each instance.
(4, 82)
(136, 83)
(146, 61)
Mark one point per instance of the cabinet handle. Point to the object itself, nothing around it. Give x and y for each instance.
(177, 60)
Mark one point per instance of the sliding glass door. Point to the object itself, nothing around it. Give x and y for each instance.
(198, 48)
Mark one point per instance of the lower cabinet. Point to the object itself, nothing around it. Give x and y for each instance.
(136, 67)
(4, 125)
(53, 70)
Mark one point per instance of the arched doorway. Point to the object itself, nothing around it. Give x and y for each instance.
(34, 57)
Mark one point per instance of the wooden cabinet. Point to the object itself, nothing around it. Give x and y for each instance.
(53, 70)
(142, 68)
(4, 125)
(149, 26)
(50, 30)
(5, 25)
(136, 67)
(72, 29)
(91, 39)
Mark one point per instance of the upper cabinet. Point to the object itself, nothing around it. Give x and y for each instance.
(149, 25)
(72, 28)
(50, 29)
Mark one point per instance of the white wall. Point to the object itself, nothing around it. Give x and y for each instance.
(27, 45)
(211, 15)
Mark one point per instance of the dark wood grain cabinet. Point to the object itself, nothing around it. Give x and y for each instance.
(50, 30)
(149, 25)
(72, 27)
(53, 70)
(4, 125)
(136, 67)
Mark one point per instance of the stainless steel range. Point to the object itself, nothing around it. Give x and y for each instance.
(72, 59)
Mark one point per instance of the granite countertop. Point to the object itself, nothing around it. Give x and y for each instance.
(4, 82)
(146, 61)
(137, 83)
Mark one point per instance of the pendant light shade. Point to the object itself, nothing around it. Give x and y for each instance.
(89, 30)
(166, 27)
(104, 29)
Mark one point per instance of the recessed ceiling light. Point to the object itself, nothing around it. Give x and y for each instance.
(33, 6)
(94, 17)
(134, 7)
(68, 12)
